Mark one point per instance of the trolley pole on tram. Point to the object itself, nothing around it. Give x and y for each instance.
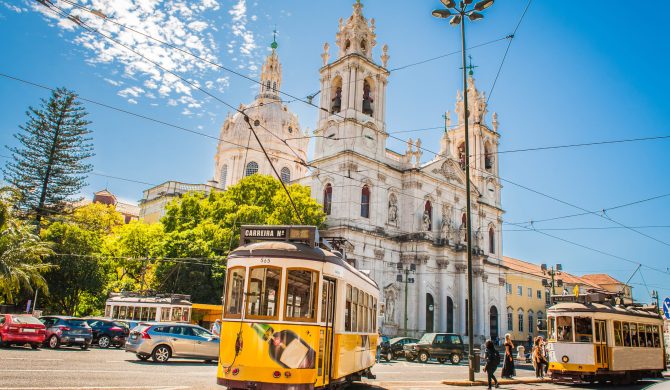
(457, 15)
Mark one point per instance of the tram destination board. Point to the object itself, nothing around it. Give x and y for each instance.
(304, 234)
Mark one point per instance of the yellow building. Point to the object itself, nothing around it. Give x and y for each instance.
(526, 299)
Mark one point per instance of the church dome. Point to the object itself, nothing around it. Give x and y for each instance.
(277, 128)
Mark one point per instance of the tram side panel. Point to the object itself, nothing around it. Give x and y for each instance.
(354, 353)
(577, 357)
(632, 359)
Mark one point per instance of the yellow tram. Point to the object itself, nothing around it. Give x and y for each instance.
(296, 315)
(591, 339)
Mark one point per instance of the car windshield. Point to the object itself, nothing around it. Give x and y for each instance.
(120, 324)
(396, 339)
(26, 320)
(427, 338)
(78, 322)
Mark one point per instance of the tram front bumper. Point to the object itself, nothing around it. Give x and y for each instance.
(234, 384)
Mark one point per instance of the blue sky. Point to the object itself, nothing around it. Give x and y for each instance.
(572, 75)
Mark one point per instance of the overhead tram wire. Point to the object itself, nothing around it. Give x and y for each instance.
(61, 12)
(603, 210)
(509, 43)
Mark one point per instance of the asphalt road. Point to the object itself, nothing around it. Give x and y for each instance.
(23, 368)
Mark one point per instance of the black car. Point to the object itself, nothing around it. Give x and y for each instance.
(396, 344)
(108, 333)
(441, 346)
(66, 331)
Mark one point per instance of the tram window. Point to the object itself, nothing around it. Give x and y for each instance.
(583, 329)
(115, 312)
(152, 314)
(234, 292)
(354, 309)
(551, 328)
(649, 337)
(263, 292)
(618, 339)
(642, 338)
(564, 329)
(626, 334)
(633, 335)
(347, 311)
(361, 311)
(657, 338)
(301, 294)
(324, 300)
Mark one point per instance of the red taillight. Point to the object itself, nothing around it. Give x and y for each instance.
(63, 328)
(116, 329)
(145, 335)
(13, 329)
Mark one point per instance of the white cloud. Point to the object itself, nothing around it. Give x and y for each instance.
(183, 23)
(13, 7)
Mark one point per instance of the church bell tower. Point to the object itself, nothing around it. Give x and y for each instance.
(353, 91)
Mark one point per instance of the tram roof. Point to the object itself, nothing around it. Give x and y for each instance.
(295, 250)
(566, 307)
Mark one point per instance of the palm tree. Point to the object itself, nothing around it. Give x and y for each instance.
(21, 254)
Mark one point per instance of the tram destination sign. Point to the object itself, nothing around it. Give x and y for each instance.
(305, 234)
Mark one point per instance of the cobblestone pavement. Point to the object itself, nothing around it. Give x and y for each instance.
(23, 368)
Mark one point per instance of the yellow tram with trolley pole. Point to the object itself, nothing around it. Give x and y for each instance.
(591, 338)
(296, 314)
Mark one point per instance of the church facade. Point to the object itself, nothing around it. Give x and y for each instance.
(399, 218)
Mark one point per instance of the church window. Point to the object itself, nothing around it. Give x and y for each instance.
(347, 44)
(367, 97)
(285, 175)
(520, 314)
(464, 223)
(450, 315)
(365, 202)
(492, 240)
(336, 93)
(267, 85)
(461, 155)
(531, 321)
(274, 86)
(364, 46)
(428, 215)
(290, 130)
(252, 168)
(488, 157)
(327, 198)
(257, 122)
(224, 176)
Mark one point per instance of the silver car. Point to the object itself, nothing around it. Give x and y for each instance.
(161, 341)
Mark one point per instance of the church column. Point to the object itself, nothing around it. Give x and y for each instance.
(353, 88)
(421, 309)
(444, 282)
(325, 97)
(346, 78)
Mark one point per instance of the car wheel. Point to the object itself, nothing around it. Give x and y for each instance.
(389, 356)
(423, 357)
(161, 354)
(410, 358)
(441, 360)
(34, 346)
(54, 342)
(455, 358)
(104, 341)
(143, 358)
(84, 346)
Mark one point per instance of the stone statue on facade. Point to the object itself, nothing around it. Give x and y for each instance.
(393, 210)
(390, 295)
(325, 55)
(426, 221)
(385, 55)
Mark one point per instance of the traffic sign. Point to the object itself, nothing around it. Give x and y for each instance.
(666, 308)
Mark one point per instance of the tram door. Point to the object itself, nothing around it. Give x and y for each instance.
(326, 334)
(602, 358)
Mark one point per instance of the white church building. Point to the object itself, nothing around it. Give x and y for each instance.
(398, 217)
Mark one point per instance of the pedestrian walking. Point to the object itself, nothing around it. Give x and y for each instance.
(545, 354)
(508, 370)
(492, 360)
(538, 358)
(216, 328)
(380, 341)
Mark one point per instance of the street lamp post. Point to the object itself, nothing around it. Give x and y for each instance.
(458, 14)
(406, 280)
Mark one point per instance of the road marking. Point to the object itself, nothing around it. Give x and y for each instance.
(91, 371)
(99, 387)
(31, 359)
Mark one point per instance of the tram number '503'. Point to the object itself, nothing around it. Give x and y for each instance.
(265, 261)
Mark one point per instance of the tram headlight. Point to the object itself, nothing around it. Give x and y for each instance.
(565, 359)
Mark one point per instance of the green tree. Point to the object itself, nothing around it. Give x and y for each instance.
(132, 251)
(203, 229)
(21, 255)
(48, 167)
(77, 287)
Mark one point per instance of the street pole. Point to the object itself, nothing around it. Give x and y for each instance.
(406, 283)
(35, 301)
(471, 341)
(553, 289)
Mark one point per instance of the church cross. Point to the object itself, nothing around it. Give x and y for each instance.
(471, 67)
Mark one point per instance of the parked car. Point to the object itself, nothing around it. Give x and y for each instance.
(385, 348)
(108, 333)
(21, 329)
(441, 346)
(162, 341)
(67, 331)
(130, 324)
(396, 347)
